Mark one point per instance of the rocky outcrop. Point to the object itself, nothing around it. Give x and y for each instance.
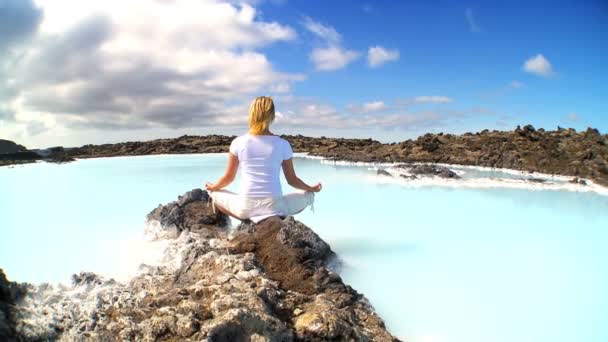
(182, 145)
(428, 170)
(577, 180)
(563, 151)
(18, 158)
(10, 294)
(23, 156)
(270, 281)
(7, 146)
(383, 172)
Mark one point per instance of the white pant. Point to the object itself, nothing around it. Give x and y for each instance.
(259, 208)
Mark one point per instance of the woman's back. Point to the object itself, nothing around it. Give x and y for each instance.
(260, 158)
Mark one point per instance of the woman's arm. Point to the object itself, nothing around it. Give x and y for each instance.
(293, 180)
(229, 175)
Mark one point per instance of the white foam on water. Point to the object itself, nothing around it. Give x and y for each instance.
(487, 182)
(156, 246)
(553, 182)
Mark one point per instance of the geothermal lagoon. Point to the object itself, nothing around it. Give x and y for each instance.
(488, 257)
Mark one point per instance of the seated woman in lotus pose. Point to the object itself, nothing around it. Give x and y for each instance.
(261, 156)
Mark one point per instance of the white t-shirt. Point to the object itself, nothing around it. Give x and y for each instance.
(260, 158)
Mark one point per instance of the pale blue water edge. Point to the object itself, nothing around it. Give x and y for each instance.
(438, 263)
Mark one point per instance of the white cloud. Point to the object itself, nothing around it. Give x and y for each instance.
(377, 56)
(538, 65)
(367, 107)
(332, 58)
(473, 27)
(310, 113)
(139, 64)
(324, 32)
(432, 99)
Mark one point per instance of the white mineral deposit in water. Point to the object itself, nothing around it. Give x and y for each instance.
(485, 258)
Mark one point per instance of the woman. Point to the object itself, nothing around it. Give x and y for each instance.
(261, 155)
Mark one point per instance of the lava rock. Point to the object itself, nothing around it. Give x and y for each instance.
(433, 170)
(192, 196)
(299, 236)
(535, 180)
(577, 180)
(86, 278)
(383, 173)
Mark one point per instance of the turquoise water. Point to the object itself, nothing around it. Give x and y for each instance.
(439, 263)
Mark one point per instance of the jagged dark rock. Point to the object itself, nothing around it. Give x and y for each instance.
(10, 294)
(296, 235)
(173, 215)
(192, 196)
(577, 180)
(535, 180)
(383, 173)
(429, 170)
(270, 281)
(86, 278)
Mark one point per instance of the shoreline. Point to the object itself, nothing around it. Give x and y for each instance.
(563, 152)
(506, 183)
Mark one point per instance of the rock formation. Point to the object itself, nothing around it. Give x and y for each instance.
(11, 153)
(7, 146)
(563, 151)
(270, 281)
(428, 170)
(383, 172)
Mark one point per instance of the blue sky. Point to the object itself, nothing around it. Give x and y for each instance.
(475, 64)
(108, 71)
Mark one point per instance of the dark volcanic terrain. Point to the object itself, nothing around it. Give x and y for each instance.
(563, 151)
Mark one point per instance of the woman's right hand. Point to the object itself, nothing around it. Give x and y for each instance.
(210, 186)
(316, 188)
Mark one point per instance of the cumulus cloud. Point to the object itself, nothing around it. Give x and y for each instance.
(473, 27)
(378, 55)
(332, 58)
(538, 65)
(138, 64)
(367, 107)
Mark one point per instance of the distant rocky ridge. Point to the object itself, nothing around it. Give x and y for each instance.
(270, 281)
(21, 155)
(7, 146)
(563, 151)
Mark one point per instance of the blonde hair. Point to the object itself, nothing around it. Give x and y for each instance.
(261, 114)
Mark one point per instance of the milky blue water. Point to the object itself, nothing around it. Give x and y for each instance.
(439, 263)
